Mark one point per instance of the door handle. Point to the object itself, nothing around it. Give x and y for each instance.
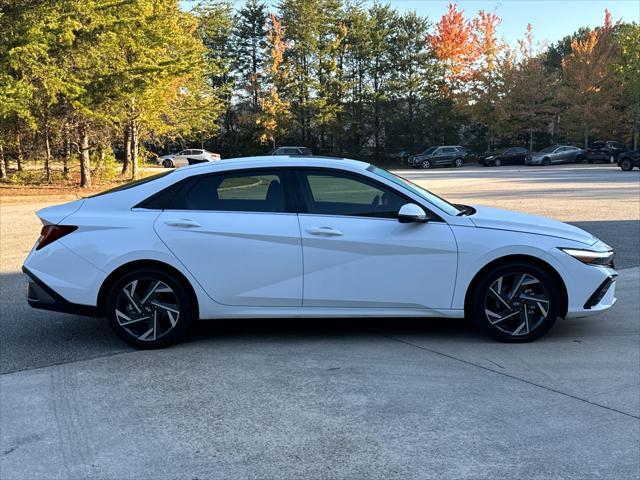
(328, 231)
(182, 223)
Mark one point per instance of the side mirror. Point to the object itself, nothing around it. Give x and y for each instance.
(411, 212)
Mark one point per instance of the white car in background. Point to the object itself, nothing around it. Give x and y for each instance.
(187, 157)
(278, 237)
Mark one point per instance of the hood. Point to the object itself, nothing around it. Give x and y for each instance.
(497, 219)
(57, 213)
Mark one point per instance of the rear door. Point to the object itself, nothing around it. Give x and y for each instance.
(445, 155)
(237, 233)
(356, 253)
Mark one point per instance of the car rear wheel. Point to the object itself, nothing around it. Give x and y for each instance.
(426, 164)
(579, 159)
(516, 303)
(458, 162)
(148, 308)
(167, 163)
(626, 165)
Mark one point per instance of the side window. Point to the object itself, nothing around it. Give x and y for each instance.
(255, 191)
(334, 193)
(447, 151)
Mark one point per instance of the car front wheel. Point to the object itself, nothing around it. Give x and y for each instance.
(626, 165)
(497, 163)
(546, 162)
(148, 308)
(612, 159)
(516, 303)
(426, 164)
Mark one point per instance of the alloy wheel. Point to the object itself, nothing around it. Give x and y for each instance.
(516, 304)
(147, 309)
(426, 164)
(626, 165)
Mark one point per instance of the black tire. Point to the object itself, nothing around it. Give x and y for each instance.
(170, 320)
(426, 164)
(626, 165)
(546, 162)
(497, 163)
(167, 163)
(458, 162)
(484, 304)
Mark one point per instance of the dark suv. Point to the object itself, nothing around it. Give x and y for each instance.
(627, 161)
(605, 151)
(448, 155)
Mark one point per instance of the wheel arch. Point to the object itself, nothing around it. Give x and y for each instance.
(505, 260)
(113, 277)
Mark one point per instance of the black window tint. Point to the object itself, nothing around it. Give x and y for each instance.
(333, 193)
(258, 191)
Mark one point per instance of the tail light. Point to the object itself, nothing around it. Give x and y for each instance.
(51, 233)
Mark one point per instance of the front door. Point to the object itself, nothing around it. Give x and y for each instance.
(357, 254)
(237, 235)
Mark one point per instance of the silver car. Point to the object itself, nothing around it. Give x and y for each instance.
(555, 154)
(187, 157)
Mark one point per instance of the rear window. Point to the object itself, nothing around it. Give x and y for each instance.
(135, 183)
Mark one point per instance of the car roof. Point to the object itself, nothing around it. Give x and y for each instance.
(274, 161)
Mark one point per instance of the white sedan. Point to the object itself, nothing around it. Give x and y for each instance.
(187, 157)
(310, 237)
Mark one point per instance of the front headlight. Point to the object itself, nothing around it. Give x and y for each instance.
(591, 257)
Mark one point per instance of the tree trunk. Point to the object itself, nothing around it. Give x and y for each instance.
(134, 150)
(127, 149)
(85, 162)
(19, 151)
(586, 137)
(530, 140)
(67, 153)
(47, 155)
(3, 166)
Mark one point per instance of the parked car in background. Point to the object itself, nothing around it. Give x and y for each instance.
(504, 156)
(297, 151)
(604, 151)
(555, 154)
(627, 161)
(447, 155)
(397, 154)
(187, 157)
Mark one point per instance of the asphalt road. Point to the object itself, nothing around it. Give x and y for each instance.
(336, 398)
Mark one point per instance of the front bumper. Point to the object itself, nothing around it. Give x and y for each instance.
(533, 161)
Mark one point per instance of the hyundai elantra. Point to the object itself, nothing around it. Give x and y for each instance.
(307, 237)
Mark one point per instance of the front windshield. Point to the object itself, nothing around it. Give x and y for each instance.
(548, 149)
(432, 198)
(429, 151)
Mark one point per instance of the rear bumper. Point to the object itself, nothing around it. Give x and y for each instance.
(43, 297)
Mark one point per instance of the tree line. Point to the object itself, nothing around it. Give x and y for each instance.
(85, 81)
